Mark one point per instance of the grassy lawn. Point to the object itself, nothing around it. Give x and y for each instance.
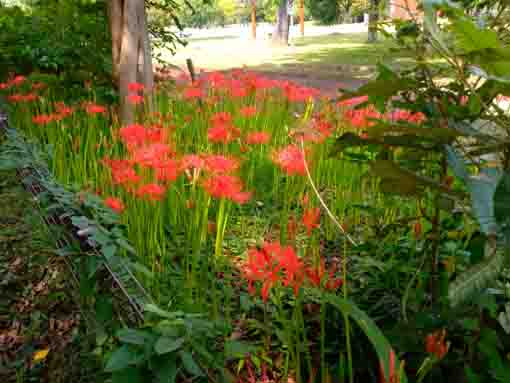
(336, 57)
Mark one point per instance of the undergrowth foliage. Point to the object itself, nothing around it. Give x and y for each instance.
(258, 211)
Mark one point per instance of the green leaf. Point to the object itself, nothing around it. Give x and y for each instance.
(132, 336)
(120, 359)
(129, 375)
(109, 250)
(189, 364)
(165, 368)
(470, 38)
(236, 349)
(152, 308)
(164, 345)
(368, 326)
(471, 376)
(477, 277)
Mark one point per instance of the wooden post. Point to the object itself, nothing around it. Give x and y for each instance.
(254, 19)
(302, 17)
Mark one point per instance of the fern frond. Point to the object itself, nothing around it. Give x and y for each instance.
(477, 277)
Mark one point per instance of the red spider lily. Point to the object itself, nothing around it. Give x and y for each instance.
(394, 376)
(222, 133)
(135, 99)
(135, 87)
(311, 218)
(167, 171)
(38, 85)
(221, 118)
(22, 97)
(258, 138)
(353, 101)
(305, 200)
(292, 226)
(291, 160)
(18, 80)
(239, 92)
(219, 164)
(92, 109)
(300, 94)
(133, 135)
(226, 186)
(115, 204)
(43, 119)
(248, 111)
(406, 115)
(216, 79)
(362, 118)
(122, 172)
(193, 92)
(4, 85)
(319, 278)
(152, 192)
(273, 264)
(192, 161)
(63, 110)
(435, 344)
(151, 155)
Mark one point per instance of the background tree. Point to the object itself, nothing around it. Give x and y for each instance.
(281, 30)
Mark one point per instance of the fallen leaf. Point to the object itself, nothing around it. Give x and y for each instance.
(41, 354)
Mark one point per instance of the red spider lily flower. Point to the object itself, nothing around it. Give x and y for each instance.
(228, 187)
(257, 138)
(248, 111)
(271, 265)
(4, 85)
(30, 97)
(63, 110)
(42, 119)
(296, 93)
(135, 99)
(394, 376)
(219, 164)
(319, 278)
(216, 79)
(156, 134)
(135, 87)
(38, 85)
(362, 118)
(311, 218)
(192, 161)
(220, 133)
(151, 155)
(167, 171)
(152, 192)
(122, 172)
(193, 92)
(238, 92)
(18, 80)
(133, 135)
(291, 160)
(435, 344)
(305, 200)
(221, 118)
(15, 97)
(405, 115)
(115, 204)
(353, 101)
(92, 109)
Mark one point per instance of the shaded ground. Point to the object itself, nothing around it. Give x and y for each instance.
(42, 337)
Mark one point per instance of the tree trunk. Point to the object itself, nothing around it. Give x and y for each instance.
(131, 51)
(115, 17)
(281, 30)
(372, 21)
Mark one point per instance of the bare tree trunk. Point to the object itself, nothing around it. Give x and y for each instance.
(129, 56)
(372, 21)
(302, 17)
(281, 31)
(115, 17)
(131, 51)
(254, 19)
